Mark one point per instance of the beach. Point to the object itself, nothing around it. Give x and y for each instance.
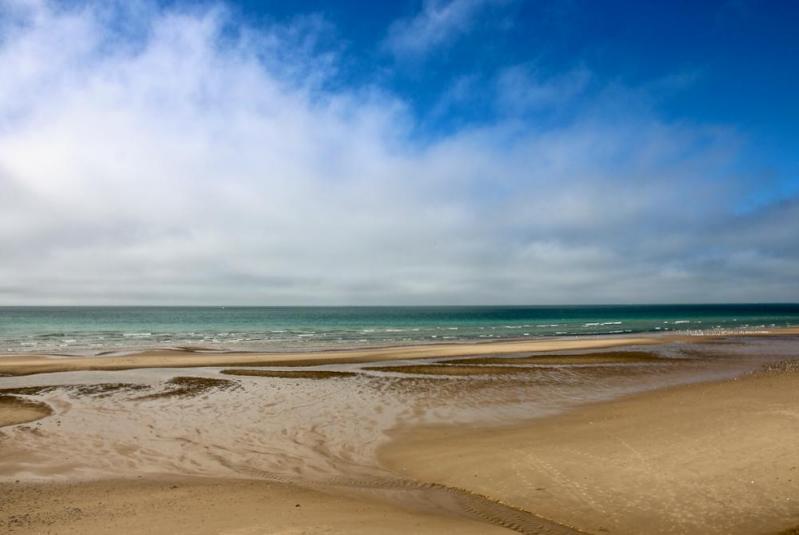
(680, 434)
(710, 458)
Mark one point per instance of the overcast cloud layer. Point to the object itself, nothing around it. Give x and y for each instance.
(159, 157)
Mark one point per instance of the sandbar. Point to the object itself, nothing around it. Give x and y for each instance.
(31, 364)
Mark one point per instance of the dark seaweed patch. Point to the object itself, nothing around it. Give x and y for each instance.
(291, 374)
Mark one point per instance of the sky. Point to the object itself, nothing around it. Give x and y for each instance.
(400, 153)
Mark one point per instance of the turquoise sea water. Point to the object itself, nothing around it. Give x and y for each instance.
(88, 330)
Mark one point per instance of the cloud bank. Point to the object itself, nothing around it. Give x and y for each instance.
(179, 157)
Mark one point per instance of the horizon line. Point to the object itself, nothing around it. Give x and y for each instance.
(547, 305)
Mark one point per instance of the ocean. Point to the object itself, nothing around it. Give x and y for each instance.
(91, 330)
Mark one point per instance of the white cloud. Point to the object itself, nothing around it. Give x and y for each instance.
(520, 89)
(438, 23)
(173, 161)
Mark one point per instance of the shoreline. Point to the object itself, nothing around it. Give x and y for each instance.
(32, 363)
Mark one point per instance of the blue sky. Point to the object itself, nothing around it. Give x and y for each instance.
(728, 61)
(442, 151)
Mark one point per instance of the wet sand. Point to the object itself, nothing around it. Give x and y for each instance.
(430, 440)
(455, 370)
(605, 357)
(290, 374)
(15, 410)
(191, 358)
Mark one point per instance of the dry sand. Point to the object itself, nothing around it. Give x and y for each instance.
(710, 458)
(197, 506)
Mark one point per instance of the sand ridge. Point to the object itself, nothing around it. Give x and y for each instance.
(290, 374)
